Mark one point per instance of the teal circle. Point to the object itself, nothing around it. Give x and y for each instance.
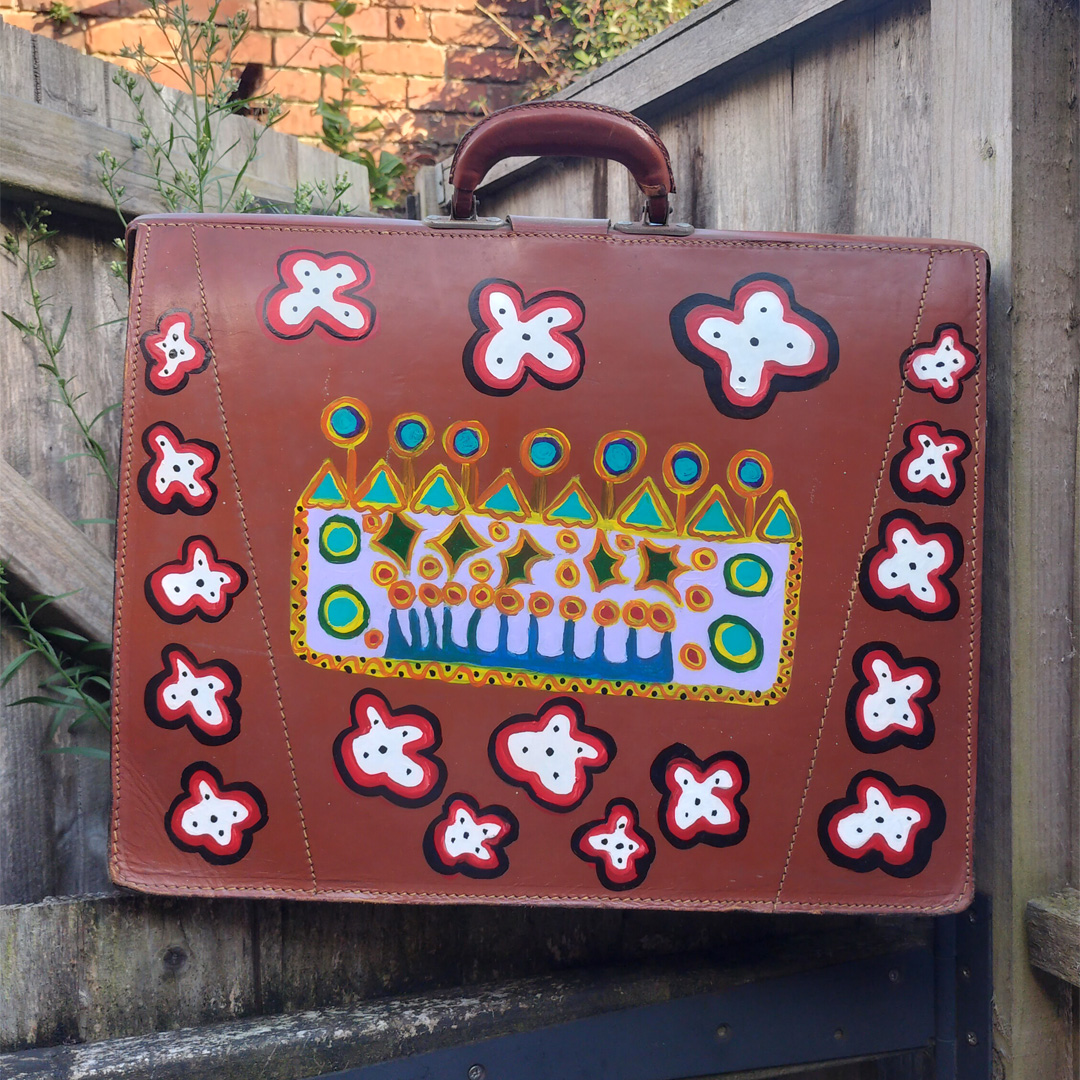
(339, 539)
(411, 434)
(619, 457)
(747, 574)
(341, 610)
(736, 639)
(544, 453)
(346, 422)
(751, 473)
(686, 468)
(466, 442)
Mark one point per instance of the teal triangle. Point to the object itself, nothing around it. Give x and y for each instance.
(572, 509)
(328, 490)
(645, 513)
(504, 501)
(381, 493)
(438, 496)
(779, 525)
(715, 521)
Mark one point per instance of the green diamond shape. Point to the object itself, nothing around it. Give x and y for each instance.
(518, 562)
(604, 565)
(398, 538)
(460, 543)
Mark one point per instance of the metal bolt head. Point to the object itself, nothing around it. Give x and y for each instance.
(723, 1032)
(838, 1034)
(965, 972)
(477, 1072)
(972, 1039)
(894, 975)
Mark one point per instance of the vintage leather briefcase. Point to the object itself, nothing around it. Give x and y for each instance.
(549, 561)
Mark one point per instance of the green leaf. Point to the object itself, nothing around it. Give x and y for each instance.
(9, 672)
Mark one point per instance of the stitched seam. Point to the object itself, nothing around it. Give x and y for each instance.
(855, 582)
(134, 326)
(436, 234)
(969, 815)
(251, 560)
(608, 899)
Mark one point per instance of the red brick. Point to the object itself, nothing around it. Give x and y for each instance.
(403, 58)
(166, 76)
(110, 37)
(23, 19)
(278, 14)
(436, 94)
(115, 9)
(368, 22)
(410, 24)
(199, 10)
(295, 85)
(387, 91)
(499, 64)
(300, 120)
(300, 51)
(454, 29)
(256, 48)
(433, 130)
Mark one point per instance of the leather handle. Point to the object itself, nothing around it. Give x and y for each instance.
(562, 129)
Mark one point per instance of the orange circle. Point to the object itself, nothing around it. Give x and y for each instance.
(698, 598)
(455, 594)
(509, 601)
(481, 596)
(635, 613)
(430, 566)
(567, 574)
(606, 613)
(401, 594)
(481, 570)
(704, 559)
(498, 530)
(692, 656)
(624, 542)
(572, 608)
(430, 594)
(541, 604)
(371, 523)
(373, 638)
(661, 618)
(384, 573)
(567, 540)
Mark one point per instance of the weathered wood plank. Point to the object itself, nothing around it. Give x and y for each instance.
(713, 44)
(1053, 934)
(48, 555)
(311, 1043)
(59, 109)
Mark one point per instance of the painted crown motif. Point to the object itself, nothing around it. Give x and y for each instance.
(676, 590)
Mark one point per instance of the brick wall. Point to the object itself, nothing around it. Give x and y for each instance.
(430, 68)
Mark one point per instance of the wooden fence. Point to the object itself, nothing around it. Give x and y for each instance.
(945, 118)
(954, 119)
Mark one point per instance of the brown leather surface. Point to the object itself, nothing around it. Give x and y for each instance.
(831, 445)
(562, 129)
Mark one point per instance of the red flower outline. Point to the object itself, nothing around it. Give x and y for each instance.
(504, 831)
(688, 316)
(195, 548)
(602, 744)
(950, 384)
(419, 751)
(157, 696)
(177, 495)
(921, 733)
(876, 853)
(930, 488)
(201, 782)
(943, 601)
(475, 360)
(155, 352)
(290, 284)
(620, 817)
(665, 778)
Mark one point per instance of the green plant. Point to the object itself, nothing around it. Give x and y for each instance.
(61, 14)
(340, 132)
(77, 688)
(319, 197)
(38, 329)
(189, 158)
(574, 36)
